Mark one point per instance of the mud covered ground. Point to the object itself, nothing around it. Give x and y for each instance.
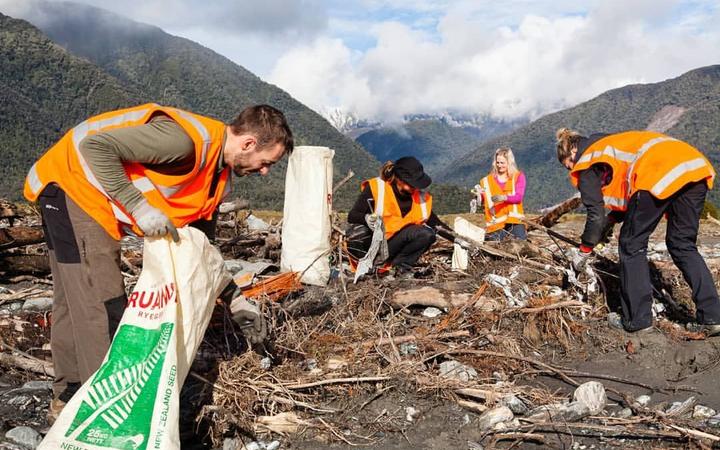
(415, 407)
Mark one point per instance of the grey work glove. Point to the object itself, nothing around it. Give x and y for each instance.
(498, 198)
(154, 222)
(580, 260)
(248, 317)
(371, 220)
(462, 243)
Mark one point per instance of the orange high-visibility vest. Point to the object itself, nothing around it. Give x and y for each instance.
(184, 198)
(386, 206)
(644, 161)
(498, 214)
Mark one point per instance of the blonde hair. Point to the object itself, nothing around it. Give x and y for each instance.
(567, 140)
(507, 153)
(387, 172)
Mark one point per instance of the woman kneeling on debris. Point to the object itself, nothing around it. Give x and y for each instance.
(643, 175)
(405, 211)
(501, 193)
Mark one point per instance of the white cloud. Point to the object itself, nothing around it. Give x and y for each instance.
(486, 64)
(383, 59)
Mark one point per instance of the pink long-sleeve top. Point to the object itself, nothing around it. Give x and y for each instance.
(519, 189)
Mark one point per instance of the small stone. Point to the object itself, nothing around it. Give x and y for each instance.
(624, 413)
(515, 404)
(256, 224)
(410, 413)
(432, 312)
(37, 385)
(266, 363)
(643, 400)
(457, 370)
(38, 304)
(681, 408)
(253, 446)
(408, 348)
(274, 445)
(568, 412)
(231, 444)
(592, 394)
(714, 421)
(20, 400)
(309, 364)
(489, 419)
(701, 412)
(24, 436)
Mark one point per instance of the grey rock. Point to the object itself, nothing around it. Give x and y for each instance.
(309, 364)
(408, 348)
(490, 419)
(516, 405)
(681, 408)
(37, 385)
(274, 445)
(457, 370)
(19, 400)
(11, 308)
(714, 421)
(643, 400)
(231, 444)
(432, 312)
(38, 304)
(266, 363)
(703, 412)
(592, 394)
(624, 413)
(25, 436)
(256, 223)
(568, 412)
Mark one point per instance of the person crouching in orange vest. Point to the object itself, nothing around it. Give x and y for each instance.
(397, 197)
(143, 170)
(641, 176)
(501, 193)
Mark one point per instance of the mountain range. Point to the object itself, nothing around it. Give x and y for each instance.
(686, 107)
(84, 60)
(75, 61)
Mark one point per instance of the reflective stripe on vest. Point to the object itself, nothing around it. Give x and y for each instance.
(677, 172)
(646, 146)
(34, 180)
(387, 207)
(380, 202)
(184, 197)
(507, 210)
(642, 165)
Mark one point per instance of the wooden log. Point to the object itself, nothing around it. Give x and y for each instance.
(19, 236)
(25, 264)
(551, 216)
(25, 363)
(425, 296)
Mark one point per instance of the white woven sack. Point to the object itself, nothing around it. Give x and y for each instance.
(306, 214)
(469, 231)
(132, 401)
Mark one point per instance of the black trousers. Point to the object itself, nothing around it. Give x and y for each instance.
(405, 247)
(683, 216)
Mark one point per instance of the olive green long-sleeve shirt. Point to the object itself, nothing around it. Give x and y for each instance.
(161, 145)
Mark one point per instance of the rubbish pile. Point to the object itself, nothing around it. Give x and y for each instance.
(511, 350)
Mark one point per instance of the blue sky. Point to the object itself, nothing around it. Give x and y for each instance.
(382, 59)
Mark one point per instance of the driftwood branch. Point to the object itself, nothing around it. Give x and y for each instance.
(342, 182)
(335, 381)
(25, 264)
(13, 237)
(551, 216)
